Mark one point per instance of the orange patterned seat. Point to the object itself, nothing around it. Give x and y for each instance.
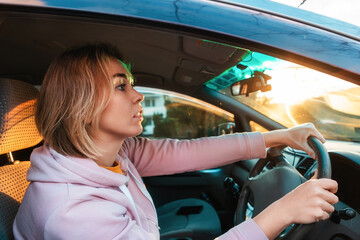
(17, 131)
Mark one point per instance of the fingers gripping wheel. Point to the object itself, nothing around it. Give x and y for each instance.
(264, 188)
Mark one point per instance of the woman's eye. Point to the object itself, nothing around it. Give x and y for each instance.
(121, 87)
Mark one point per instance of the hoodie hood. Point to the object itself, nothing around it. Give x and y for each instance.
(47, 165)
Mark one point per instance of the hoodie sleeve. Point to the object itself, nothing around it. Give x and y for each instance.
(169, 156)
(247, 230)
(94, 220)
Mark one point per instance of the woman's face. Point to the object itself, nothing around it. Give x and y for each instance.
(123, 116)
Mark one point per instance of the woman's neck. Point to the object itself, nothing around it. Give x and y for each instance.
(109, 153)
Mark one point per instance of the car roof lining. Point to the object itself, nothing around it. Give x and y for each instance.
(31, 41)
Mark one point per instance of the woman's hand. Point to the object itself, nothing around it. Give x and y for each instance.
(295, 137)
(310, 202)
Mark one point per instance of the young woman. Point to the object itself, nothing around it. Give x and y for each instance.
(86, 178)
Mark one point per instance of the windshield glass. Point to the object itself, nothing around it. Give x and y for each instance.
(345, 10)
(292, 94)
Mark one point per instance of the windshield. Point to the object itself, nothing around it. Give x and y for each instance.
(295, 94)
(344, 10)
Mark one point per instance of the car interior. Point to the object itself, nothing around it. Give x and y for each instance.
(190, 206)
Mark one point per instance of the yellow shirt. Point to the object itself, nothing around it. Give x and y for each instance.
(115, 168)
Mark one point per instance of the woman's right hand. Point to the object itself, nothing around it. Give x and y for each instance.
(310, 202)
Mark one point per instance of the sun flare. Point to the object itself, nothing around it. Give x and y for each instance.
(292, 84)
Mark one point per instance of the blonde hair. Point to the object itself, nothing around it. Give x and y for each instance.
(76, 89)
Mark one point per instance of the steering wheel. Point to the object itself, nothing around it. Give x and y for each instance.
(266, 187)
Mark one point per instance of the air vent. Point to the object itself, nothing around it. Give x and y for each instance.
(305, 165)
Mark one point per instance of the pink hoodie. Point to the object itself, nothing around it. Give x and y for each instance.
(74, 198)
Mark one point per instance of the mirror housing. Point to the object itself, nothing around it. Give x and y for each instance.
(249, 85)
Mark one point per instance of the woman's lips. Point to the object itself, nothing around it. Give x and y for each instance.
(138, 116)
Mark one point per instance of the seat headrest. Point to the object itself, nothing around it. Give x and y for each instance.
(17, 116)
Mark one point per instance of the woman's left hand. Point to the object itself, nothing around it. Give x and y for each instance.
(295, 137)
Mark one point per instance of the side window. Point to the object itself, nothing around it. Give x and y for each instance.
(171, 115)
(255, 127)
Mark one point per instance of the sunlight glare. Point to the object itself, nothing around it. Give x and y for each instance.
(292, 84)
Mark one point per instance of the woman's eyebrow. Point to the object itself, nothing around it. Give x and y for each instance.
(123, 75)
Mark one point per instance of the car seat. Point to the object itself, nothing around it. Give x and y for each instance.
(17, 131)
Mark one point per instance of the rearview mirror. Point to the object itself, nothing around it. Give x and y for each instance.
(253, 84)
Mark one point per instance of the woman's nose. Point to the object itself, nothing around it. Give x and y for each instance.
(138, 97)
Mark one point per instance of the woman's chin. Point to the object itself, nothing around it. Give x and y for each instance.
(140, 131)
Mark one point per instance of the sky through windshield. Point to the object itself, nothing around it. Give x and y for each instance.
(345, 10)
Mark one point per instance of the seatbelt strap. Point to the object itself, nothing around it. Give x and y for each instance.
(127, 193)
(142, 188)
